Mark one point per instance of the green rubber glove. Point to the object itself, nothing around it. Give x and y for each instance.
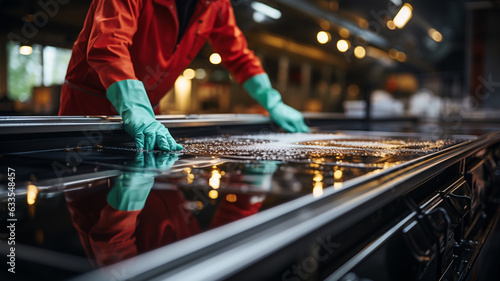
(131, 189)
(259, 87)
(130, 99)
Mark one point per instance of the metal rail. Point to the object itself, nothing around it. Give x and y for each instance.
(58, 124)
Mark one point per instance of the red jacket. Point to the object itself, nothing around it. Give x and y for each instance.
(137, 39)
(109, 235)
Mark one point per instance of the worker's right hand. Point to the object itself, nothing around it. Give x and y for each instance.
(131, 101)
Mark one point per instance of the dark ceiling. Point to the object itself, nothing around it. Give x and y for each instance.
(299, 24)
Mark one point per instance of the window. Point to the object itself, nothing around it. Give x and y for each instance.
(46, 66)
(23, 72)
(55, 64)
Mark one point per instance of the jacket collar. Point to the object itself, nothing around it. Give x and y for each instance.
(169, 3)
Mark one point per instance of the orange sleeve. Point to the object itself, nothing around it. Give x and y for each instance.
(228, 40)
(113, 29)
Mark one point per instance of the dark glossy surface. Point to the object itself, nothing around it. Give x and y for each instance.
(100, 205)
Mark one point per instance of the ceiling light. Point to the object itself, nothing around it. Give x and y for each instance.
(266, 10)
(359, 52)
(258, 17)
(403, 16)
(215, 58)
(435, 35)
(323, 37)
(343, 45)
(344, 32)
(25, 50)
(391, 25)
(189, 73)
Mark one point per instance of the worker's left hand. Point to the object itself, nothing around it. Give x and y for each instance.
(289, 118)
(259, 87)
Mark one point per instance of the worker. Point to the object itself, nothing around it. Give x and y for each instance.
(130, 53)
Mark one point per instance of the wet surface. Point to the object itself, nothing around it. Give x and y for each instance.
(325, 148)
(107, 204)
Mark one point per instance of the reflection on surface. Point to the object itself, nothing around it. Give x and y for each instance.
(136, 215)
(122, 202)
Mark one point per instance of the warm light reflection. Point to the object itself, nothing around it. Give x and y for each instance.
(337, 174)
(403, 16)
(215, 58)
(214, 180)
(343, 45)
(359, 52)
(318, 189)
(435, 35)
(344, 32)
(318, 184)
(213, 194)
(189, 176)
(337, 185)
(31, 194)
(391, 25)
(25, 50)
(231, 198)
(323, 37)
(189, 73)
(317, 176)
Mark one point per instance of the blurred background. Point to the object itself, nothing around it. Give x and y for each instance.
(358, 58)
